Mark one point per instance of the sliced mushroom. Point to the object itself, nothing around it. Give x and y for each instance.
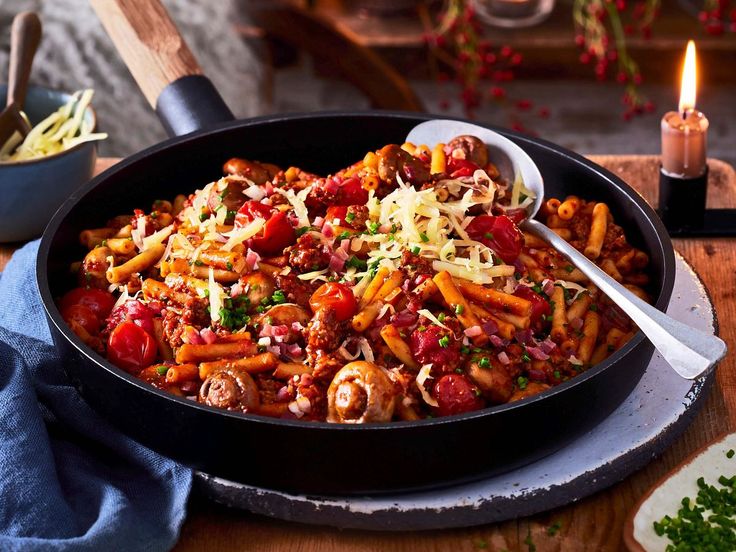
(257, 286)
(473, 149)
(252, 170)
(360, 393)
(286, 313)
(230, 389)
(392, 160)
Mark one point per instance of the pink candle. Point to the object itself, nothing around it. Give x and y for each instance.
(684, 133)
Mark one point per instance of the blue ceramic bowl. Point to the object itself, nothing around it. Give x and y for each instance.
(31, 191)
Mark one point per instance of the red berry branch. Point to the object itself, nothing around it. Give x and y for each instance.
(459, 51)
(602, 27)
(718, 16)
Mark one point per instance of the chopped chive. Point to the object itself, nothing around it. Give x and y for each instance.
(161, 370)
(444, 341)
(459, 309)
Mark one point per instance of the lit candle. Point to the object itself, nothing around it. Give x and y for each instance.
(684, 132)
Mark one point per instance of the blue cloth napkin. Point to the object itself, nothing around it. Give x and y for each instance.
(68, 479)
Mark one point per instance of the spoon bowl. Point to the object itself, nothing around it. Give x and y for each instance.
(689, 352)
(512, 161)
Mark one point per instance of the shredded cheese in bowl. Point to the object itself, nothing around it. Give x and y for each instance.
(62, 130)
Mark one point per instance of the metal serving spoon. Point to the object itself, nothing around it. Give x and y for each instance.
(690, 352)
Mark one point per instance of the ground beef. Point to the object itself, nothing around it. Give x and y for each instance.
(614, 239)
(319, 199)
(326, 366)
(267, 387)
(360, 216)
(414, 265)
(324, 332)
(308, 255)
(194, 313)
(296, 290)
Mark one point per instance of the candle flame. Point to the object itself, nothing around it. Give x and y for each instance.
(689, 79)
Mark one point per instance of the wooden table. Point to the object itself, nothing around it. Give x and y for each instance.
(594, 523)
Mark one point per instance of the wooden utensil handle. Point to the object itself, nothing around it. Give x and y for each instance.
(148, 42)
(25, 35)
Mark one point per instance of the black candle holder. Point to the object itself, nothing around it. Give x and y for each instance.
(683, 212)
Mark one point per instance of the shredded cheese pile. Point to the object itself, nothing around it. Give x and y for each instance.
(62, 130)
(418, 221)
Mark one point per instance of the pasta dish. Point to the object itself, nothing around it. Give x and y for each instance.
(398, 288)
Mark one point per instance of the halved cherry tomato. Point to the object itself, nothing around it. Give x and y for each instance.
(82, 315)
(499, 233)
(131, 347)
(455, 394)
(351, 192)
(540, 306)
(276, 234)
(338, 212)
(98, 301)
(252, 210)
(460, 167)
(336, 296)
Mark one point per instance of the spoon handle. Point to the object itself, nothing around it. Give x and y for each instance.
(25, 35)
(690, 352)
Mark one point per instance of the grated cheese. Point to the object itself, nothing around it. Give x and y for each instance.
(239, 235)
(216, 297)
(157, 237)
(571, 285)
(417, 219)
(423, 376)
(427, 314)
(297, 202)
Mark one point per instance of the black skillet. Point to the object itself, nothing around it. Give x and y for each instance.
(318, 457)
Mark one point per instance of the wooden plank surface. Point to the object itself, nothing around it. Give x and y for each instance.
(594, 523)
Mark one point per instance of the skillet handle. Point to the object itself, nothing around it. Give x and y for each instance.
(162, 64)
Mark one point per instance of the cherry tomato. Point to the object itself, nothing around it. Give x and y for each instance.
(499, 233)
(460, 167)
(455, 394)
(539, 305)
(338, 212)
(276, 234)
(131, 347)
(336, 296)
(351, 192)
(252, 210)
(82, 315)
(437, 346)
(98, 301)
